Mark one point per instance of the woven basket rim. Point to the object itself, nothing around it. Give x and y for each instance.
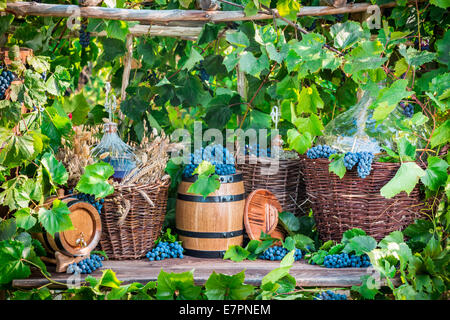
(144, 185)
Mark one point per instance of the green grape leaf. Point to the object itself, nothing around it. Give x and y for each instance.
(405, 179)
(415, 57)
(17, 150)
(209, 33)
(225, 287)
(95, 180)
(337, 165)
(406, 150)
(230, 61)
(443, 47)
(368, 288)
(25, 219)
(395, 236)
(441, 134)
(444, 4)
(388, 99)
(289, 221)
(360, 245)
(435, 174)
(146, 50)
(299, 142)
(205, 168)
(8, 228)
(288, 9)
(78, 106)
(56, 219)
(289, 243)
(55, 169)
(11, 264)
(346, 34)
(109, 279)
(205, 185)
(366, 56)
(351, 233)
(185, 3)
(249, 64)
(303, 242)
(117, 29)
(194, 58)
(239, 39)
(309, 100)
(179, 286)
(236, 253)
(250, 9)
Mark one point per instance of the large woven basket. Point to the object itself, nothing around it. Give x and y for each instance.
(352, 202)
(130, 234)
(286, 182)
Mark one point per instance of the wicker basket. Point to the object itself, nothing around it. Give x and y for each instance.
(286, 183)
(352, 202)
(131, 235)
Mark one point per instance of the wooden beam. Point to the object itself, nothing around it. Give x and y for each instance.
(143, 271)
(165, 16)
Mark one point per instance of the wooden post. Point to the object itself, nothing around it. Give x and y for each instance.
(126, 70)
(241, 86)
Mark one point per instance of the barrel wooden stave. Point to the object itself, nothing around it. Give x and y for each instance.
(214, 218)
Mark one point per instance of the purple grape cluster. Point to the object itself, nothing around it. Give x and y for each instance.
(362, 159)
(407, 109)
(365, 164)
(86, 266)
(6, 77)
(344, 260)
(217, 155)
(320, 151)
(330, 295)
(85, 37)
(165, 250)
(278, 253)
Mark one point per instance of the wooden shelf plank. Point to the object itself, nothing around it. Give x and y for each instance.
(144, 271)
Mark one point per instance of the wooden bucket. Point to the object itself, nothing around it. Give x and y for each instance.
(84, 236)
(208, 226)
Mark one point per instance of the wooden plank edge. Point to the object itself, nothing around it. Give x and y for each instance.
(58, 10)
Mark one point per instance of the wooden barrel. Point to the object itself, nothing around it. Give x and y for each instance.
(208, 226)
(84, 236)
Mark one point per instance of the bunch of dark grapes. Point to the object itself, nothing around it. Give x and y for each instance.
(89, 198)
(165, 250)
(255, 150)
(217, 155)
(407, 109)
(204, 75)
(85, 37)
(6, 77)
(86, 266)
(350, 159)
(343, 260)
(278, 253)
(365, 163)
(330, 295)
(320, 152)
(362, 159)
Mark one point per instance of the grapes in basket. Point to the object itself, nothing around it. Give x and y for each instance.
(217, 155)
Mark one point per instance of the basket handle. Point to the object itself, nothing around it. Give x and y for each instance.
(271, 218)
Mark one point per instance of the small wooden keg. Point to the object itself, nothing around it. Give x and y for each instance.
(208, 226)
(84, 236)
